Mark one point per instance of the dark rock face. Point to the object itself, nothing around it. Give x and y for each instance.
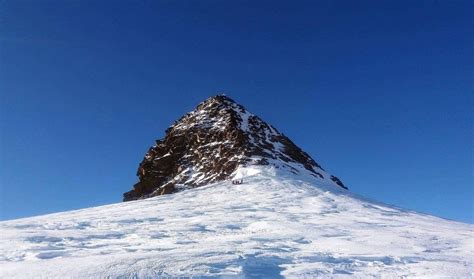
(208, 144)
(338, 182)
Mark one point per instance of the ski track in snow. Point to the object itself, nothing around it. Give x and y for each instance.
(272, 226)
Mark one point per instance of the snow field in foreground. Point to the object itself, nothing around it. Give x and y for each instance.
(272, 226)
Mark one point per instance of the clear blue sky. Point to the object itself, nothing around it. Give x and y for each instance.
(378, 92)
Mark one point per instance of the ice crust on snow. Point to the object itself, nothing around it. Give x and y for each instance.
(274, 225)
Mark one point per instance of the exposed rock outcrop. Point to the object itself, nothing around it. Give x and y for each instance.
(209, 143)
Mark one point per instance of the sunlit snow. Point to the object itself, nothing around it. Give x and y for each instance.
(273, 225)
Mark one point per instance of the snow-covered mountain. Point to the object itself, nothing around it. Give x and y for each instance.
(289, 217)
(276, 224)
(209, 143)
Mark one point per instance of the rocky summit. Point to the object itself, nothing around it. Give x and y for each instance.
(209, 143)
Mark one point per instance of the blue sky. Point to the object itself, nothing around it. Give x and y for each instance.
(378, 92)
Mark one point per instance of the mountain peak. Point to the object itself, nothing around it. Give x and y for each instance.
(208, 145)
(222, 98)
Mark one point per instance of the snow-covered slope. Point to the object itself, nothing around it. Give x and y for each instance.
(273, 225)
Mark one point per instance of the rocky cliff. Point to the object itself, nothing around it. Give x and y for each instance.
(209, 143)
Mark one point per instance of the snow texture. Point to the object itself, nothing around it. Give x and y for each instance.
(274, 225)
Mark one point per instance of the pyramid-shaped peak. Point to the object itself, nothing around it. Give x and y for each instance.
(210, 143)
(219, 112)
(221, 98)
(220, 102)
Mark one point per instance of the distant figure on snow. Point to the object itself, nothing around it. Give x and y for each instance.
(237, 182)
